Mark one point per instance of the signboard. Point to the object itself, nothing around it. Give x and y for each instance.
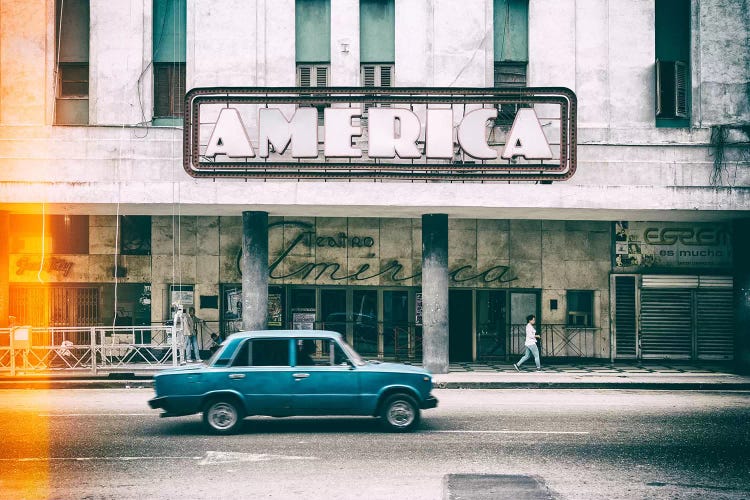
(304, 320)
(447, 134)
(182, 294)
(672, 245)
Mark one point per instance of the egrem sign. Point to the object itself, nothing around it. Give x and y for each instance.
(443, 134)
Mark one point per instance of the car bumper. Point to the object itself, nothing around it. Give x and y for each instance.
(430, 402)
(171, 407)
(158, 403)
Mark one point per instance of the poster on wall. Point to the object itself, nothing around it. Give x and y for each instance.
(275, 311)
(304, 320)
(182, 294)
(418, 315)
(640, 245)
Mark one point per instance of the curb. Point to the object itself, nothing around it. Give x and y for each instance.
(149, 383)
(657, 386)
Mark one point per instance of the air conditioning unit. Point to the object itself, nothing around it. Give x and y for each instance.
(672, 89)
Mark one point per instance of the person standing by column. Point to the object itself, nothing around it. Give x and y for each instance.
(530, 343)
(179, 324)
(191, 335)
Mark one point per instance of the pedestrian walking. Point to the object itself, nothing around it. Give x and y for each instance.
(530, 343)
(190, 331)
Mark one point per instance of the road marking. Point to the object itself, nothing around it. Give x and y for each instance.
(226, 457)
(511, 432)
(91, 459)
(96, 414)
(210, 458)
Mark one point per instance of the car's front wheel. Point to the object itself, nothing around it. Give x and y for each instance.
(399, 413)
(222, 416)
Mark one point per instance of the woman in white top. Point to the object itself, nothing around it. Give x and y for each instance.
(530, 344)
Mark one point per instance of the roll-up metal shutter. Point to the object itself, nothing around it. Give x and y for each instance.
(715, 323)
(666, 323)
(625, 316)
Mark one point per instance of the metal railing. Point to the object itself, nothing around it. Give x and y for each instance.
(129, 348)
(28, 349)
(558, 340)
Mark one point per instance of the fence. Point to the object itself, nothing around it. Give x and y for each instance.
(28, 349)
(557, 340)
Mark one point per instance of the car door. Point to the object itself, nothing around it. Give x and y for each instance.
(261, 371)
(330, 386)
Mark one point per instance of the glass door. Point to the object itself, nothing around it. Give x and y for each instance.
(333, 310)
(396, 333)
(492, 338)
(365, 322)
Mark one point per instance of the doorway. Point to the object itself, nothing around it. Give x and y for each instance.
(492, 325)
(460, 325)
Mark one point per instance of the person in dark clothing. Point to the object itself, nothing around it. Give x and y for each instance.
(304, 353)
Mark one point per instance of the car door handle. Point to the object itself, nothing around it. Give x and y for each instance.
(300, 375)
(237, 375)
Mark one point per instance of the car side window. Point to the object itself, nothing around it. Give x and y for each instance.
(319, 352)
(263, 352)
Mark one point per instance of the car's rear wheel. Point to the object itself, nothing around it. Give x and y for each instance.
(222, 416)
(399, 413)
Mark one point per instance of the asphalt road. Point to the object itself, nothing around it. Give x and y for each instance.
(584, 444)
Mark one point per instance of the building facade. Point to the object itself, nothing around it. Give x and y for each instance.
(640, 254)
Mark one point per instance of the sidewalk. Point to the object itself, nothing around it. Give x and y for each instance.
(592, 375)
(584, 375)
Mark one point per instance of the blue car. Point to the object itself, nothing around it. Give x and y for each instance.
(284, 373)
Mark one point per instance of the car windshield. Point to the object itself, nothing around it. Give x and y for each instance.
(353, 355)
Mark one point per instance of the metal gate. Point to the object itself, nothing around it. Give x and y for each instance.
(715, 324)
(687, 317)
(625, 317)
(666, 323)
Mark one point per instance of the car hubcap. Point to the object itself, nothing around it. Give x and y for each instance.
(401, 414)
(222, 416)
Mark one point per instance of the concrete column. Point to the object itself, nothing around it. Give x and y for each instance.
(435, 292)
(254, 268)
(742, 294)
(4, 276)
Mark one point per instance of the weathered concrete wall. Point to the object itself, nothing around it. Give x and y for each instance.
(345, 43)
(604, 50)
(118, 70)
(241, 44)
(721, 68)
(25, 61)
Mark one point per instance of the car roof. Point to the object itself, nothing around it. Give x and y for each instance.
(286, 334)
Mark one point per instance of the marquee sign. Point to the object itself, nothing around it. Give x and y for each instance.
(443, 134)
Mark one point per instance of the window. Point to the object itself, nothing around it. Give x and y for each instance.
(313, 45)
(63, 234)
(511, 29)
(580, 308)
(169, 60)
(318, 352)
(169, 90)
(72, 51)
(135, 235)
(377, 42)
(672, 67)
(263, 352)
